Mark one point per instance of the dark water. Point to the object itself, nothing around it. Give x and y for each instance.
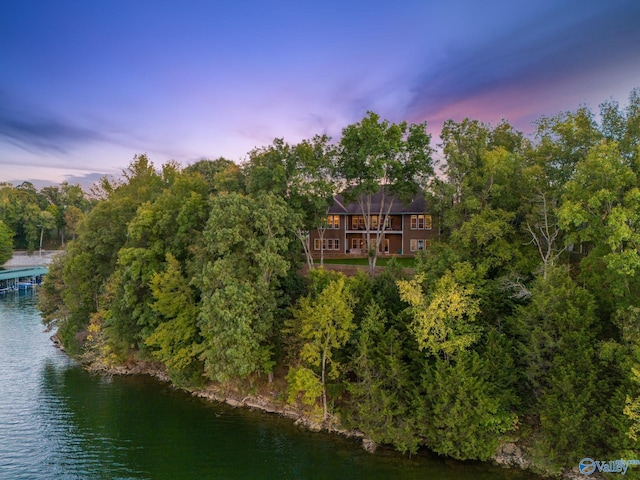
(57, 421)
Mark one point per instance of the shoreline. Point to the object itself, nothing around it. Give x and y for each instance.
(510, 455)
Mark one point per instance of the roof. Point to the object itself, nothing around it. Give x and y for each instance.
(418, 204)
(23, 273)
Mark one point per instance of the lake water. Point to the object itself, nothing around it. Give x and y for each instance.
(57, 421)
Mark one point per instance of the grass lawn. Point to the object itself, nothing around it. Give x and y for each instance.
(402, 261)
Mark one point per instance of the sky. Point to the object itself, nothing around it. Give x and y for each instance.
(86, 85)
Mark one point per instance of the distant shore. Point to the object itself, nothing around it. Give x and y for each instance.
(21, 258)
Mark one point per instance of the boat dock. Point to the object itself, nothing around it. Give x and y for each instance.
(21, 278)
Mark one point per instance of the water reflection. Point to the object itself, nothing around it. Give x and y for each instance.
(57, 421)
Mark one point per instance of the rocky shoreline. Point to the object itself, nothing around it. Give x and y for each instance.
(509, 455)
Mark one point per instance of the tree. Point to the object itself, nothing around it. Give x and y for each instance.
(170, 224)
(383, 160)
(244, 256)
(323, 323)
(72, 217)
(221, 175)
(382, 387)
(602, 208)
(558, 350)
(460, 411)
(301, 174)
(176, 340)
(6, 243)
(92, 258)
(564, 140)
(443, 323)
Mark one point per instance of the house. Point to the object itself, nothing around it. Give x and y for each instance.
(410, 227)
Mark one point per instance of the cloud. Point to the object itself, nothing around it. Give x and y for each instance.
(36, 131)
(545, 53)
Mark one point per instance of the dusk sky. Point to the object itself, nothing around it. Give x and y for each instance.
(85, 85)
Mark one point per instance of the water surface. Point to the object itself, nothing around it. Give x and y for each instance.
(58, 421)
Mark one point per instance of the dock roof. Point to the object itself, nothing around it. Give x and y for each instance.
(23, 273)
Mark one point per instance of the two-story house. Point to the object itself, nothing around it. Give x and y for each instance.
(410, 227)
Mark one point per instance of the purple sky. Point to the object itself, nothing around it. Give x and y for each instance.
(85, 85)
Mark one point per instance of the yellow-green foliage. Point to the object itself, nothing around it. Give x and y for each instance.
(444, 321)
(305, 381)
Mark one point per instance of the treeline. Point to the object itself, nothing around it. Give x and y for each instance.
(30, 218)
(520, 325)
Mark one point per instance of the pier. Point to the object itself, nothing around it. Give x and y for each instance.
(21, 278)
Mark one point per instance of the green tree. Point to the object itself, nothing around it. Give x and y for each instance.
(324, 323)
(380, 393)
(170, 224)
(221, 175)
(383, 160)
(601, 209)
(6, 243)
(301, 174)
(246, 244)
(176, 340)
(558, 350)
(91, 259)
(461, 412)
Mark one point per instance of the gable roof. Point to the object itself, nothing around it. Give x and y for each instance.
(418, 204)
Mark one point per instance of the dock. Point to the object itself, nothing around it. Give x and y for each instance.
(21, 278)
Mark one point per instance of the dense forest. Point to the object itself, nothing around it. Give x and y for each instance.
(32, 219)
(520, 324)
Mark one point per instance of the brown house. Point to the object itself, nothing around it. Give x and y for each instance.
(410, 227)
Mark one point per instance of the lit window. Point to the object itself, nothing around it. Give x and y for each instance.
(357, 222)
(333, 221)
(421, 222)
(316, 244)
(413, 245)
(428, 222)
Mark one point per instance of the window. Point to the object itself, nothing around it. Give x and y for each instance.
(428, 223)
(357, 243)
(327, 244)
(421, 222)
(333, 221)
(357, 222)
(419, 244)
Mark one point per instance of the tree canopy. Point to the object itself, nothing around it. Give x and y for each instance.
(520, 324)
